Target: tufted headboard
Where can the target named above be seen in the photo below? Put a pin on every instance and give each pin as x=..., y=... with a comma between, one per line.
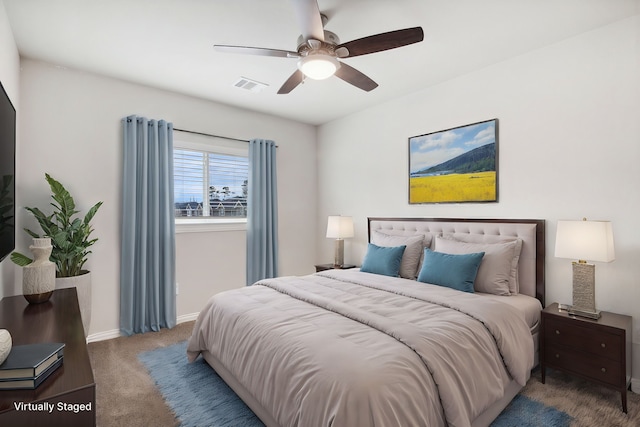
x=530, y=231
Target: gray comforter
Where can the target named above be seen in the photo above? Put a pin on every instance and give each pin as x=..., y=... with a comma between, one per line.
x=346, y=348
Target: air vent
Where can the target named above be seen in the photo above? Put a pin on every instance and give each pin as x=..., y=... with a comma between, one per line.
x=250, y=85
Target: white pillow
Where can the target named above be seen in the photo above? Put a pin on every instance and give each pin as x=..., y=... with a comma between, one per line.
x=514, y=285
x=412, y=253
x=497, y=268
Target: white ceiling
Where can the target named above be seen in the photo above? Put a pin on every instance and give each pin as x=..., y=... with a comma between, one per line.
x=168, y=43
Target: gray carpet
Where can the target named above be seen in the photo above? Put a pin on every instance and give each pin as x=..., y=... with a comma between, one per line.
x=126, y=396
x=590, y=405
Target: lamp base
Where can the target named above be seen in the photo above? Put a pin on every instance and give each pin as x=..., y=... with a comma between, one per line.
x=584, y=287
x=339, y=254
x=595, y=315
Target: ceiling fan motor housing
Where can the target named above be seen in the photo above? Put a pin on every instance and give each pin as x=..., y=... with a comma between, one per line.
x=330, y=38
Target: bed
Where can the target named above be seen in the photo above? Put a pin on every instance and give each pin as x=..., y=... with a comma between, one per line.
x=358, y=347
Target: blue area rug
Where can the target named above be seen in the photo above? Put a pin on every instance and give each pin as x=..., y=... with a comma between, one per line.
x=524, y=412
x=199, y=397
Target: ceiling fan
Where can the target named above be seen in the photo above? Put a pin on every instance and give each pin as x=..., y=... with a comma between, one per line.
x=319, y=50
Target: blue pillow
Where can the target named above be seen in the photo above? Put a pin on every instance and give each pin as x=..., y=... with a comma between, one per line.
x=453, y=271
x=383, y=260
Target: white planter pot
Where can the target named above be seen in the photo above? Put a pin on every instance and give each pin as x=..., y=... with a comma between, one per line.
x=82, y=283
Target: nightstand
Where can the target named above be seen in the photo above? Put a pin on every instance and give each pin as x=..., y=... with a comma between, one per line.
x=323, y=267
x=597, y=350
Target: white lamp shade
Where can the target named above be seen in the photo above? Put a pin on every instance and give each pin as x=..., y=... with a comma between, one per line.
x=318, y=66
x=585, y=240
x=339, y=227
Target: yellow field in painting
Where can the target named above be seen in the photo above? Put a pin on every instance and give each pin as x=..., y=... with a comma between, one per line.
x=468, y=187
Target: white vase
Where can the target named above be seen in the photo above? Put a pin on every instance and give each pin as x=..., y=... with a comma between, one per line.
x=5, y=344
x=82, y=283
x=39, y=277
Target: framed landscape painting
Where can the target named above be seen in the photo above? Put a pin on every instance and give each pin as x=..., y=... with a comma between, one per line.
x=455, y=165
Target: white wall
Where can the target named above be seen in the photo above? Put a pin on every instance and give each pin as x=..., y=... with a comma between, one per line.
x=10, y=78
x=569, y=146
x=71, y=129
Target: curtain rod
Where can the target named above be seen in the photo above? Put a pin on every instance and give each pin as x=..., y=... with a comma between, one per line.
x=215, y=136
x=208, y=134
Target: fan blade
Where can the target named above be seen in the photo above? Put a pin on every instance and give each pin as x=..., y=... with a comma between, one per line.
x=383, y=41
x=256, y=51
x=291, y=83
x=355, y=77
x=309, y=19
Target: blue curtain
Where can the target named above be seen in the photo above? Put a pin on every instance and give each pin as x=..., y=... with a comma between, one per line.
x=147, y=265
x=262, y=212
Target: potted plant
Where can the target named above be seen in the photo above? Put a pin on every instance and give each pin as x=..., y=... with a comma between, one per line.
x=70, y=238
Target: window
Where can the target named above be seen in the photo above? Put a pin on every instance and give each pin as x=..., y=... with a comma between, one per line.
x=210, y=183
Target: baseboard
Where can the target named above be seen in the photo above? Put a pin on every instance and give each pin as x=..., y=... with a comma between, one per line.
x=101, y=336
x=187, y=317
x=635, y=385
x=115, y=333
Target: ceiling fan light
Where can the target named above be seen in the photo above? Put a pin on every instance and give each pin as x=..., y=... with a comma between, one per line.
x=318, y=66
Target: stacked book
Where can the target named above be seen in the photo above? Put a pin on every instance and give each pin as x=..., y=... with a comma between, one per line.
x=27, y=366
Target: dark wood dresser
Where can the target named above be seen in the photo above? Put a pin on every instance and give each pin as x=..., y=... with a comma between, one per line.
x=72, y=384
x=597, y=350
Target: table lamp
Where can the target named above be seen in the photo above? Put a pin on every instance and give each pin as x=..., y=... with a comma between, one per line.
x=584, y=240
x=339, y=228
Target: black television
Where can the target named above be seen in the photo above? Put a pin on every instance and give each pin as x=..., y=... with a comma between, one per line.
x=7, y=174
